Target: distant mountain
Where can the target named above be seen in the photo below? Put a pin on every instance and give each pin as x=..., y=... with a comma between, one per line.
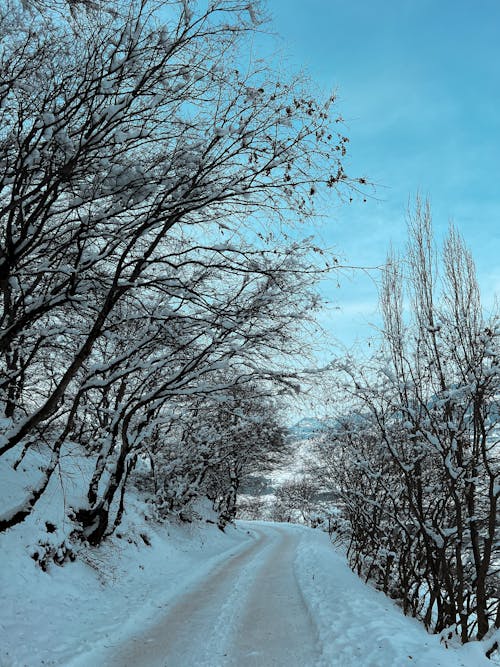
x=307, y=427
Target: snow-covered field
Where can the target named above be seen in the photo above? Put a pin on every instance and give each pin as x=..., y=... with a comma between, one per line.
x=240, y=598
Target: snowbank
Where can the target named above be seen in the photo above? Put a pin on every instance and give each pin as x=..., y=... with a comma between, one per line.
x=360, y=626
x=65, y=616
x=69, y=615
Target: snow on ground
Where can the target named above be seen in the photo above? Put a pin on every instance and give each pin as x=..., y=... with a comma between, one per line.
x=231, y=618
x=252, y=586
x=358, y=625
x=49, y=618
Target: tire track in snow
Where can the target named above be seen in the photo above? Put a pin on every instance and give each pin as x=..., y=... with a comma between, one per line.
x=276, y=628
x=196, y=628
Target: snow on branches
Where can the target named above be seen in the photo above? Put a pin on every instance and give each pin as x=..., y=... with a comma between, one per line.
x=137, y=165
x=417, y=461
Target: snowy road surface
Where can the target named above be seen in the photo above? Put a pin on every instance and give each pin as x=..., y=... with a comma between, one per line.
x=279, y=596
x=259, y=595
x=248, y=612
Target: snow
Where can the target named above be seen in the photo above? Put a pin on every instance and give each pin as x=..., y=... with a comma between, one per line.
x=261, y=593
x=67, y=615
x=358, y=625
x=229, y=597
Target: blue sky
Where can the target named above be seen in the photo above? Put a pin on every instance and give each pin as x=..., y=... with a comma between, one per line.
x=418, y=83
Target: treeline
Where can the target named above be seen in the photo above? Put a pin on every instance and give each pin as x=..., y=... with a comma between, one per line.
x=415, y=462
x=151, y=299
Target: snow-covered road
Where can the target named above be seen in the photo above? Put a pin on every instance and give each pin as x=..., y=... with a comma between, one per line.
x=248, y=612
x=259, y=595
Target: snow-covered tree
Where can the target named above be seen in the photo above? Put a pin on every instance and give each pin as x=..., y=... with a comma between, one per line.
x=417, y=462
x=296, y=500
x=147, y=170
x=172, y=361
x=216, y=443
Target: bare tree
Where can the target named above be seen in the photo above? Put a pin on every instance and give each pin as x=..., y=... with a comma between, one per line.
x=225, y=438
x=133, y=154
x=179, y=368
x=417, y=463
x=295, y=500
